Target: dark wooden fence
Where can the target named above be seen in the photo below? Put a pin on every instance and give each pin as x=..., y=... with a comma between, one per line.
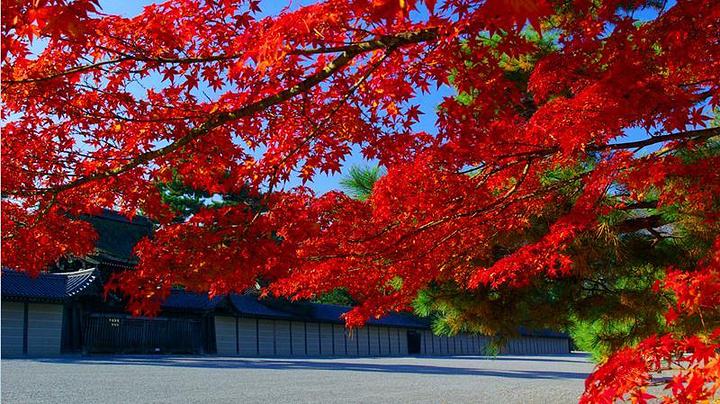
x=119, y=334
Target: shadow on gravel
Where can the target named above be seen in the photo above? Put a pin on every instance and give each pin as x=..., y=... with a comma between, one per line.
x=307, y=364
x=567, y=358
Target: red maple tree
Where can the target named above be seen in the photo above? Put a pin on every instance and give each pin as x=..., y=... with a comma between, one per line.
x=100, y=109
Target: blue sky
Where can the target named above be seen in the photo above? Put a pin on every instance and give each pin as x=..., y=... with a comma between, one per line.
x=428, y=102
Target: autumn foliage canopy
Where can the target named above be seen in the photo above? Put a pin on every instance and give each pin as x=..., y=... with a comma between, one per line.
x=529, y=159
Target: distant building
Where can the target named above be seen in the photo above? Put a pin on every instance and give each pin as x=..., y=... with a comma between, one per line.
x=64, y=312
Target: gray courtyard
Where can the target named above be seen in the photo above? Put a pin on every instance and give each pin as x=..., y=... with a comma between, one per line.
x=130, y=379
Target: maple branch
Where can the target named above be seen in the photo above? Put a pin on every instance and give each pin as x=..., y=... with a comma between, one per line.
x=500, y=202
x=124, y=57
x=218, y=119
x=628, y=226
x=697, y=134
x=317, y=128
x=377, y=43
x=72, y=70
x=690, y=135
x=385, y=41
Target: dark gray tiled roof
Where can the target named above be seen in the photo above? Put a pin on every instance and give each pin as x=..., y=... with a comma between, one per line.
x=182, y=300
x=46, y=286
x=251, y=306
x=333, y=313
x=526, y=332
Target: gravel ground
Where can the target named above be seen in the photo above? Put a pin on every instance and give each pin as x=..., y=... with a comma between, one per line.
x=149, y=379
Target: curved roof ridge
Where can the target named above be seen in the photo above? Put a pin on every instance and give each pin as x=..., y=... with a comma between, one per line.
x=46, y=286
x=75, y=273
x=78, y=281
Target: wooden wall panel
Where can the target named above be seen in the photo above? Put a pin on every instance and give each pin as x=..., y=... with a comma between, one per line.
x=298, y=338
x=363, y=341
x=403, y=342
x=13, y=320
x=352, y=341
x=339, y=340
x=374, y=341
x=44, y=329
x=326, y=339
x=247, y=337
x=224, y=335
x=313, y=339
x=384, y=341
x=282, y=338
x=266, y=337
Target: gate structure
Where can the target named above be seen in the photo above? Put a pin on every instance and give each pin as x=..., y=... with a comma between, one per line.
x=107, y=333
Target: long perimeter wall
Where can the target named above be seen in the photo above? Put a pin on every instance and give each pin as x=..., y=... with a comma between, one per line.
x=284, y=338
